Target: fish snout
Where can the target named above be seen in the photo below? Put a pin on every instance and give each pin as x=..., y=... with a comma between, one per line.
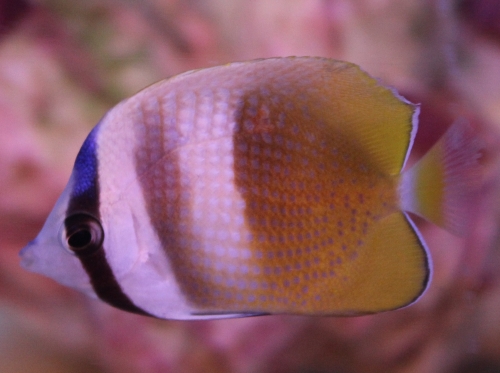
x=27, y=255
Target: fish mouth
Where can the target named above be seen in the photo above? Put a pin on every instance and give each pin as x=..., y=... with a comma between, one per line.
x=27, y=256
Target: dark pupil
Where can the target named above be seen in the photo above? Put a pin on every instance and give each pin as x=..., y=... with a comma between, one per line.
x=80, y=239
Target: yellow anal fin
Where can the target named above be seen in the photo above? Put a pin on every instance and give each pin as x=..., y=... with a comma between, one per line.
x=441, y=185
x=393, y=271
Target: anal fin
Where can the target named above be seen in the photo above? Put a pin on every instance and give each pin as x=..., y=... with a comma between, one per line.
x=392, y=272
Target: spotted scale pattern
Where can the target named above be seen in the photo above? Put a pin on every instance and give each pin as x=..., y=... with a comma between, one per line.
x=310, y=203
x=260, y=203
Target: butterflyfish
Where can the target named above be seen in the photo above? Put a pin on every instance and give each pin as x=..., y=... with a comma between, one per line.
x=274, y=186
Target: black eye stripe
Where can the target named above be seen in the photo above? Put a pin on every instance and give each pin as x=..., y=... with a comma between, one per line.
x=85, y=201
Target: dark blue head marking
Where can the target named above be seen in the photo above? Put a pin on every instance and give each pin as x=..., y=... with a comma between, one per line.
x=85, y=199
x=85, y=187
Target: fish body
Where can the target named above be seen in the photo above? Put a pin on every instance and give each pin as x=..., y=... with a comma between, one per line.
x=263, y=187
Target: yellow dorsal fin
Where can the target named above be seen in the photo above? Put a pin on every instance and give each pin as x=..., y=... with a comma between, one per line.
x=375, y=118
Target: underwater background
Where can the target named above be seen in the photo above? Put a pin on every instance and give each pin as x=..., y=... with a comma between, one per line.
x=63, y=64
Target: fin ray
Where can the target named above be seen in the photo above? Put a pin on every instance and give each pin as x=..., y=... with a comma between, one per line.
x=440, y=186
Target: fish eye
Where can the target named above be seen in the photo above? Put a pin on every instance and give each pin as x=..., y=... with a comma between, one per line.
x=84, y=234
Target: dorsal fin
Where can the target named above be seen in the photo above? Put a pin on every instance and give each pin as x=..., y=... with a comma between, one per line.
x=381, y=121
x=378, y=118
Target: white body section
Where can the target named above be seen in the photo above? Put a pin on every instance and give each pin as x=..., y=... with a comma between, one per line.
x=133, y=249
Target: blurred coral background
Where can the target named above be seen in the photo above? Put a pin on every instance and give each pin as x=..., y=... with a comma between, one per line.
x=64, y=63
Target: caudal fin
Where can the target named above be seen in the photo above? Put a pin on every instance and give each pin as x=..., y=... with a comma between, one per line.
x=440, y=186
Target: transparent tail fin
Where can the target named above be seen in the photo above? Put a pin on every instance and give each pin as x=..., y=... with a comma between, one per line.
x=440, y=186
